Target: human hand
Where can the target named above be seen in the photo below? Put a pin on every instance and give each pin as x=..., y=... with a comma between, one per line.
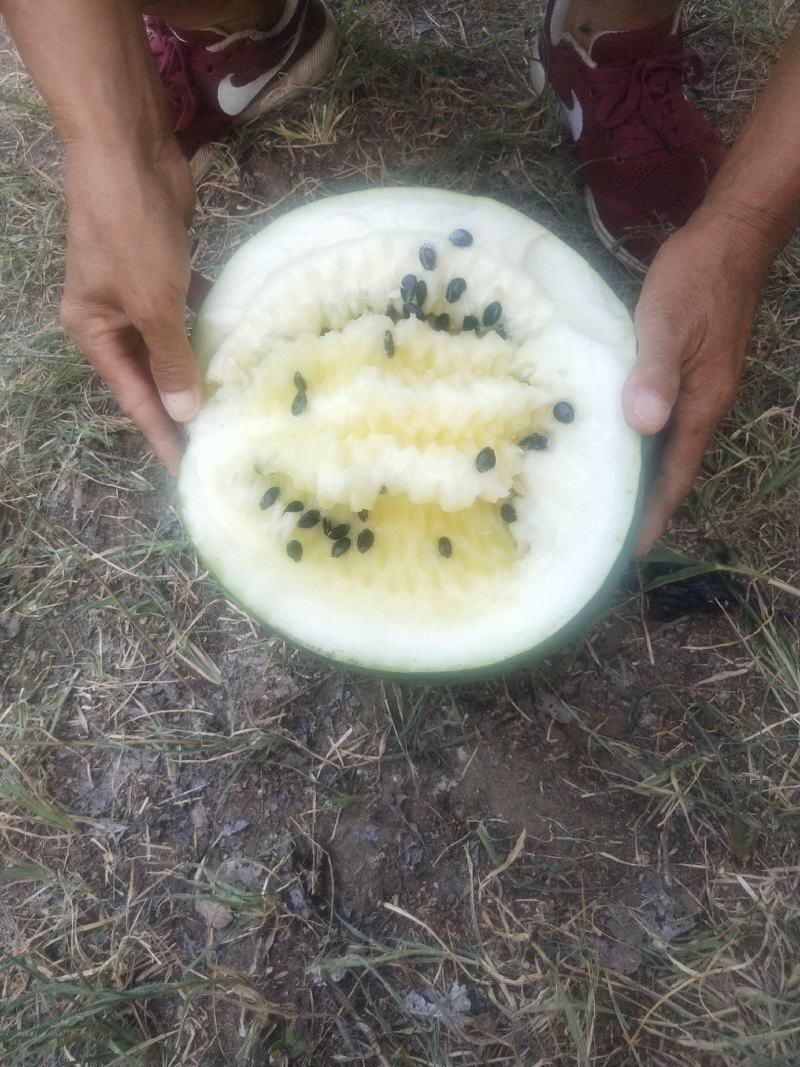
x=128, y=275
x=693, y=323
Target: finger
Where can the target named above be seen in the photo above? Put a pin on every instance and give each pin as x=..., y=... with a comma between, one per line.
x=172, y=362
x=199, y=288
x=689, y=434
x=654, y=382
x=120, y=358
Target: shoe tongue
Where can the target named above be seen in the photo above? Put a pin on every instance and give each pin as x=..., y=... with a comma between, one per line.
x=627, y=45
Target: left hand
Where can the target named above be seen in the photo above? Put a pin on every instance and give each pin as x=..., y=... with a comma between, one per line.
x=693, y=323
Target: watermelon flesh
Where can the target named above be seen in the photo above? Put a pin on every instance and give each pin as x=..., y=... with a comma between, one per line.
x=411, y=497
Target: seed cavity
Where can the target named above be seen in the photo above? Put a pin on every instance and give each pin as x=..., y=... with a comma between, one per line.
x=492, y=313
x=410, y=309
x=470, y=323
x=340, y=547
x=299, y=403
x=508, y=513
x=485, y=459
x=294, y=550
x=461, y=238
x=293, y=505
x=408, y=287
x=365, y=540
x=427, y=256
x=388, y=343
x=536, y=442
x=299, y=382
x=420, y=293
x=445, y=547
x=336, y=533
x=269, y=498
x=455, y=290
x=363, y=514
x=563, y=411
x=309, y=519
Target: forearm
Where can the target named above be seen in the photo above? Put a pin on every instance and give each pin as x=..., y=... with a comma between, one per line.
x=90, y=60
x=757, y=190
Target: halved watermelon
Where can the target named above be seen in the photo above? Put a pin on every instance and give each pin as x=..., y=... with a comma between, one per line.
x=412, y=459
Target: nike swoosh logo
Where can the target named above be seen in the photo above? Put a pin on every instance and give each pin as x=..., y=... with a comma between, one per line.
x=234, y=99
x=573, y=116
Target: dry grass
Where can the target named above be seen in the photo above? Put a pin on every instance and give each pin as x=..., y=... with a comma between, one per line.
x=213, y=851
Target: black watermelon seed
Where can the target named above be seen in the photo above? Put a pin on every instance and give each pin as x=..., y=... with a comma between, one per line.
x=410, y=309
x=485, y=459
x=455, y=290
x=508, y=513
x=408, y=286
x=340, y=547
x=492, y=313
x=420, y=293
x=388, y=343
x=293, y=505
x=442, y=322
x=363, y=514
x=427, y=256
x=365, y=541
x=461, y=238
x=391, y=311
x=563, y=411
x=470, y=323
x=327, y=526
x=336, y=533
x=537, y=442
x=294, y=550
x=299, y=403
x=445, y=547
x=299, y=382
x=311, y=518
x=269, y=498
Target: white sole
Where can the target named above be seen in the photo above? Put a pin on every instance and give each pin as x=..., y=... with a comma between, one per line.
x=607, y=240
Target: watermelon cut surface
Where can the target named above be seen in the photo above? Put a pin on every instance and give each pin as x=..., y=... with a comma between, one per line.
x=390, y=489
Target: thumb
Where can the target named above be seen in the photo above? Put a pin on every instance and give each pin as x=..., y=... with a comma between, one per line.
x=654, y=382
x=173, y=367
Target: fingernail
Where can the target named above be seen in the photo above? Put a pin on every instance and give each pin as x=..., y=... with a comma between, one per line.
x=181, y=405
x=651, y=410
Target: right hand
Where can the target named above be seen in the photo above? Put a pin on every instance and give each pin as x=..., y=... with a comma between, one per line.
x=128, y=276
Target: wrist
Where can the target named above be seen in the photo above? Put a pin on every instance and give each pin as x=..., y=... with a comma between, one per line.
x=743, y=237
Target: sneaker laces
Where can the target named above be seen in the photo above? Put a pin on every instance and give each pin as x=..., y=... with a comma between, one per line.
x=651, y=89
x=173, y=57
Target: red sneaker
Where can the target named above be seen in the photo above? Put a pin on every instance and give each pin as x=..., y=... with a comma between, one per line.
x=215, y=80
x=646, y=153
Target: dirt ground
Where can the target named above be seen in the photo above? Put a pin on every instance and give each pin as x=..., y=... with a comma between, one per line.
x=215, y=851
